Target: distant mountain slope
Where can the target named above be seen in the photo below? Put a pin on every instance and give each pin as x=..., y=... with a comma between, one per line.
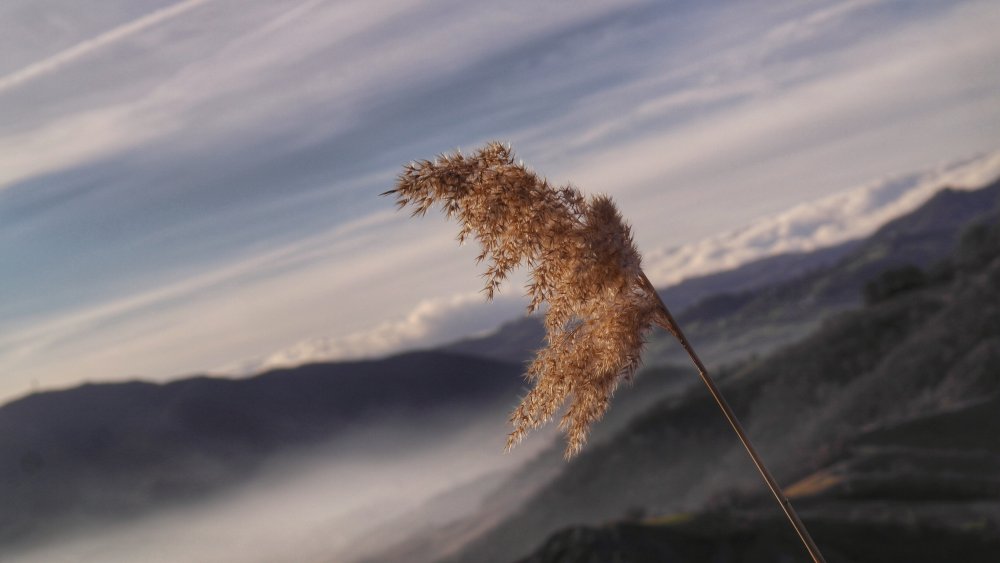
x=516, y=340
x=923, y=491
x=105, y=450
x=729, y=326
x=891, y=400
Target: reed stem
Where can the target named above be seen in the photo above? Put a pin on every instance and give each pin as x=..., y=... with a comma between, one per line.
x=668, y=323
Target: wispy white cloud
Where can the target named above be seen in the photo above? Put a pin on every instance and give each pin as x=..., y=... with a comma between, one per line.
x=54, y=62
x=861, y=88
x=74, y=140
x=683, y=88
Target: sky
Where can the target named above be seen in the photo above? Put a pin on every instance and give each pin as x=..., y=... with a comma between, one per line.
x=191, y=186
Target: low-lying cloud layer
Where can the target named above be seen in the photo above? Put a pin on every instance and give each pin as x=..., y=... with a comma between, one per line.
x=848, y=215
x=431, y=322
x=372, y=488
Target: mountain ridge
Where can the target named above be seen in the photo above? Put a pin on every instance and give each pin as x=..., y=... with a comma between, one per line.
x=868, y=419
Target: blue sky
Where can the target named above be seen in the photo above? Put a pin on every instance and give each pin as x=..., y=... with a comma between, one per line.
x=185, y=186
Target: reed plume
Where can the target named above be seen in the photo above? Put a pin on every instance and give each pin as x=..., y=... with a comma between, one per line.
x=583, y=263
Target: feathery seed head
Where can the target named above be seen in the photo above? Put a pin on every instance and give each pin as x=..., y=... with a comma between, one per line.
x=581, y=260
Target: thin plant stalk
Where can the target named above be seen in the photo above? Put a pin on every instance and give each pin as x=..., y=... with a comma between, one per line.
x=666, y=321
x=584, y=264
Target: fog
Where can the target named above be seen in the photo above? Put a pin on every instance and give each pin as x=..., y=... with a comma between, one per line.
x=334, y=502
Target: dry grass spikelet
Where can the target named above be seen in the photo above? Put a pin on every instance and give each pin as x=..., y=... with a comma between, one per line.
x=581, y=260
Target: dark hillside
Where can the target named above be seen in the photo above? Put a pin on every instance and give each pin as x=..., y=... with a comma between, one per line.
x=884, y=420
x=732, y=325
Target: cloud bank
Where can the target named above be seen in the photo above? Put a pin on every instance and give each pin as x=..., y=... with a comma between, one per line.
x=432, y=322
x=845, y=216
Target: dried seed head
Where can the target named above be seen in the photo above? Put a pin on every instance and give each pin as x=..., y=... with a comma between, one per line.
x=581, y=260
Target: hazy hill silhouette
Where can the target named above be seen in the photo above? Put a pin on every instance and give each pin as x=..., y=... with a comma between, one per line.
x=102, y=450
